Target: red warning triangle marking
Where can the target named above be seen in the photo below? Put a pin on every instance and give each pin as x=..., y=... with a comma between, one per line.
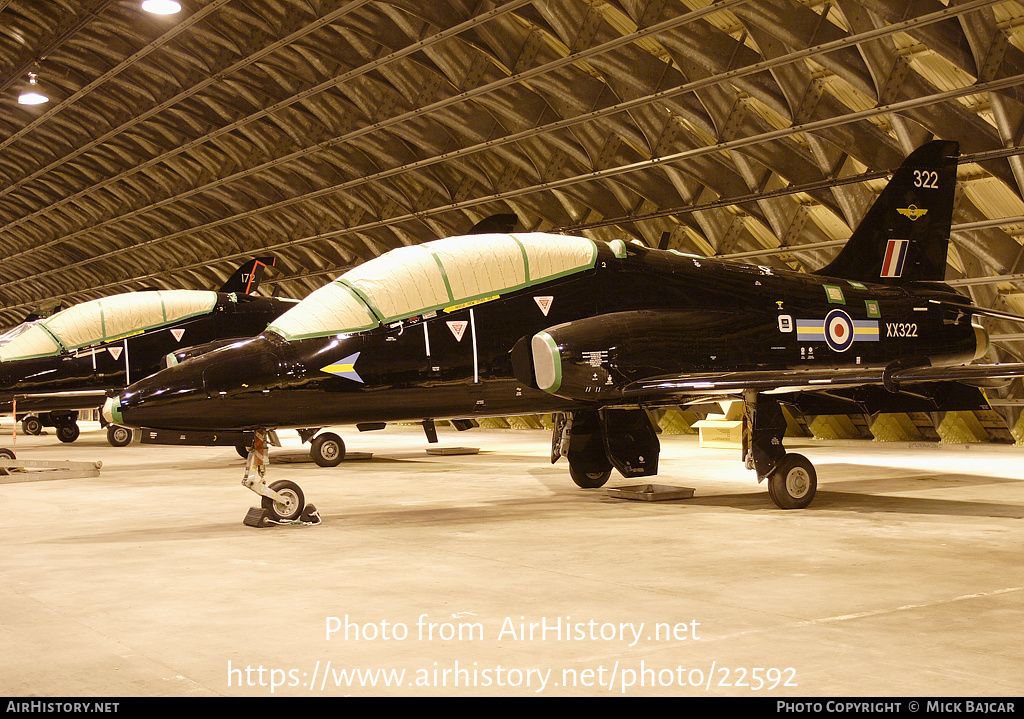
x=115, y=352
x=458, y=328
x=544, y=303
x=177, y=334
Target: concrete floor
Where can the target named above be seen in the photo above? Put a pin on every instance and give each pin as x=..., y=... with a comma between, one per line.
x=904, y=578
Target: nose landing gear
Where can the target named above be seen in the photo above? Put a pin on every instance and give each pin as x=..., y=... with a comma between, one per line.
x=281, y=502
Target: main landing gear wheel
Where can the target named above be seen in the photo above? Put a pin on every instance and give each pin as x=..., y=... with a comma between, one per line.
x=589, y=480
x=291, y=504
x=118, y=436
x=327, y=450
x=31, y=425
x=68, y=432
x=793, y=483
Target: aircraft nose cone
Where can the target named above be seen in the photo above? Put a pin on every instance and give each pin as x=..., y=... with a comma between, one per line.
x=112, y=410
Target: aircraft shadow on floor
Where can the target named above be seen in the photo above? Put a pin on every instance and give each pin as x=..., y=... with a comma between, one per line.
x=887, y=490
x=455, y=517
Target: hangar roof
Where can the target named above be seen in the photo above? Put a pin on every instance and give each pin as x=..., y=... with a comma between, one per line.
x=328, y=132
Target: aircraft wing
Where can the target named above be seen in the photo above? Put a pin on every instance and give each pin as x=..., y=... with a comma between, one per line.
x=47, y=401
x=778, y=382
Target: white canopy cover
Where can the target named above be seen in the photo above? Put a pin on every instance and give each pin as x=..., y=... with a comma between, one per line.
x=107, y=319
x=412, y=280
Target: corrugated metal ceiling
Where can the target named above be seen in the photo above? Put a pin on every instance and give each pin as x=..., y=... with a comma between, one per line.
x=329, y=131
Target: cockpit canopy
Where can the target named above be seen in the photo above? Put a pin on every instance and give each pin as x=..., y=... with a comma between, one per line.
x=107, y=319
x=414, y=280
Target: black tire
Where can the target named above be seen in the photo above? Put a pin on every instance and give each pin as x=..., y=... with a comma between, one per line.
x=589, y=480
x=327, y=449
x=793, y=483
x=290, y=509
x=68, y=432
x=118, y=436
x=6, y=454
x=243, y=450
x=31, y=425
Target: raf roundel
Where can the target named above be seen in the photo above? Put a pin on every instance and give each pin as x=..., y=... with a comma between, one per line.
x=838, y=330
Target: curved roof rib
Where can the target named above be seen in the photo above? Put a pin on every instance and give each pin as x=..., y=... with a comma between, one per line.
x=329, y=133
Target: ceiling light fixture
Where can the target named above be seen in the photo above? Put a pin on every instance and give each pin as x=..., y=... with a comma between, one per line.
x=32, y=95
x=161, y=7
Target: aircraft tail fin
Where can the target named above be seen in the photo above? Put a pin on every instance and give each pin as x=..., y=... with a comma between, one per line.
x=502, y=224
x=904, y=236
x=44, y=310
x=247, y=277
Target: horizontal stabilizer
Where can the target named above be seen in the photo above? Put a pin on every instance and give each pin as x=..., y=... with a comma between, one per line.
x=986, y=312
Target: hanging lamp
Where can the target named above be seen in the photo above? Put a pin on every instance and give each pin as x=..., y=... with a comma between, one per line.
x=33, y=94
x=161, y=7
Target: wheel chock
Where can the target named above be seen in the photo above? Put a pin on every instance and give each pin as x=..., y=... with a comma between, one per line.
x=257, y=517
x=310, y=515
x=260, y=517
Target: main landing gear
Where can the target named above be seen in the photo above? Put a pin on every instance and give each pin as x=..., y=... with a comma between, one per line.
x=327, y=449
x=282, y=502
x=65, y=424
x=792, y=481
x=118, y=436
x=596, y=441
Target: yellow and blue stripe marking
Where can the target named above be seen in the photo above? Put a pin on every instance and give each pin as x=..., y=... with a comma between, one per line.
x=345, y=368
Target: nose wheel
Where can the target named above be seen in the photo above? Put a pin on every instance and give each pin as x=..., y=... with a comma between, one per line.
x=287, y=506
x=281, y=502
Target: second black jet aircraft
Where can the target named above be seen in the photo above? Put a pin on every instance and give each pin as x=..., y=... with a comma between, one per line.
x=75, y=358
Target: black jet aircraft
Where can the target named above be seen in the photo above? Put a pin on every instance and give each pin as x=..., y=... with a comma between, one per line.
x=598, y=333
x=75, y=358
